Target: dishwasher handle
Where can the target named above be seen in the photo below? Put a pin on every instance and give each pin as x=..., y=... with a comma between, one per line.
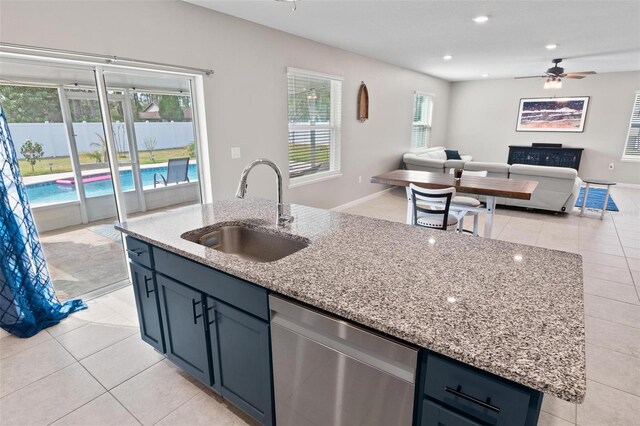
x=374, y=350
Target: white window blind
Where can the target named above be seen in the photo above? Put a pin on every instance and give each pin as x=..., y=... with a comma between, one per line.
x=632, y=147
x=422, y=113
x=314, y=109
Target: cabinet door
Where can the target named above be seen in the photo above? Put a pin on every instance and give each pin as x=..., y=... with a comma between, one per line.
x=245, y=361
x=185, y=331
x=146, y=294
x=436, y=415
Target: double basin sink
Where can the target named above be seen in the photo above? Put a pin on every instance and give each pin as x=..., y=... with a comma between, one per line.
x=246, y=242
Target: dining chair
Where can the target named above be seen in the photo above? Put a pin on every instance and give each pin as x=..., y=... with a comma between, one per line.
x=434, y=211
x=463, y=205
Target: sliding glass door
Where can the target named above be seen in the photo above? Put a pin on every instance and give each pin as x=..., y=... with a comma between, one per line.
x=97, y=145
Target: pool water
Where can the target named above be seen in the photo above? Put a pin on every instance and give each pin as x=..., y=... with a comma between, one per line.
x=51, y=192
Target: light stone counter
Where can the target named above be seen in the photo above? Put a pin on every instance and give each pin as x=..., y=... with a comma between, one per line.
x=509, y=309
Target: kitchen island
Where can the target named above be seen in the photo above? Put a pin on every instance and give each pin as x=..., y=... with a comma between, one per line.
x=511, y=310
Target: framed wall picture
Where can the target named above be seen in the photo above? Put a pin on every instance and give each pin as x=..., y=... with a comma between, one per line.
x=552, y=114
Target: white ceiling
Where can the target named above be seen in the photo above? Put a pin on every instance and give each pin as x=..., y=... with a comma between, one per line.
x=601, y=36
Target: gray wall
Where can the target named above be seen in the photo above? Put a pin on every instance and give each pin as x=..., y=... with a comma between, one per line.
x=246, y=98
x=482, y=120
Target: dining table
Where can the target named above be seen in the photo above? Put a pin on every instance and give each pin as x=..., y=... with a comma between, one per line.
x=490, y=187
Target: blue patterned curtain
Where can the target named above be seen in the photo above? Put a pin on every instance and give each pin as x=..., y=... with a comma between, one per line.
x=28, y=302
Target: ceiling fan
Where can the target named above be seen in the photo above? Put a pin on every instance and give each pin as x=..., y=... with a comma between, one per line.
x=555, y=74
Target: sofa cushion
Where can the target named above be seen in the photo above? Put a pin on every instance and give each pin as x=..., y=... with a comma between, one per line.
x=543, y=171
x=453, y=164
x=493, y=169
x=452, y=154
x=436, y=155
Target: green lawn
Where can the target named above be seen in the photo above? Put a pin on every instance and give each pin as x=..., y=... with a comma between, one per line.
x=63, y=164
x=302, y=153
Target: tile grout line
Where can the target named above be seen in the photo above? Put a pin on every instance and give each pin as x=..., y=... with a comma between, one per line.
x=619, y=301
x=43, y=377
x=92, y=376
x=186, y=402
x=614, y=322
x=613, y=387
x=100, y=383
x=612, y=350
x=609, y=298
x=627, y=260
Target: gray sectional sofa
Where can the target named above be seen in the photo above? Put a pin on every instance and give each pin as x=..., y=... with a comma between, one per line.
x=557, y=190
x=433, y=160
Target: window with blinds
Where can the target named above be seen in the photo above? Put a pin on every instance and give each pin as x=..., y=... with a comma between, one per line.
x=422, y=112
x=314, y=111
x=632, y=147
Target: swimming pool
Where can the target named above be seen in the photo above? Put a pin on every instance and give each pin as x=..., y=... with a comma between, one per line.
x=52, y=192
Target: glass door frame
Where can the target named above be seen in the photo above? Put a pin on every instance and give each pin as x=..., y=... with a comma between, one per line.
x=196, y=82
x=130, y=134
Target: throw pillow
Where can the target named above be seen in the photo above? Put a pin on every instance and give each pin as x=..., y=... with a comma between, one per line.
x=452, y=154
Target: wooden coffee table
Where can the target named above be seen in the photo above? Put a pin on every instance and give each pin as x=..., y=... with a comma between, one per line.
x=590, y=182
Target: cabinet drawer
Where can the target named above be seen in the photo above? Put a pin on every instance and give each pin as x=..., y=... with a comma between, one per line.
x=481, y=395
x=436, y=415
x=139, y=252
x=234, y=291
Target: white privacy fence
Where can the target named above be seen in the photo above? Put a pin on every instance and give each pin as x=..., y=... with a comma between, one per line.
x=52, y=136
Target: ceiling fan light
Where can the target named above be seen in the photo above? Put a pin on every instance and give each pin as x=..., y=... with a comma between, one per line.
x=553, y=83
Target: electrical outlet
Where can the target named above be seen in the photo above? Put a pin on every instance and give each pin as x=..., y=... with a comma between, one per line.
x=359, y=179
x=610, y=166
x=235, y=152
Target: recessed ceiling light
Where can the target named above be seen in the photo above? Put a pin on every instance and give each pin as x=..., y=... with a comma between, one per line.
x=447, y=57
x=551, y=46
x=485, y=75
x=481, y=19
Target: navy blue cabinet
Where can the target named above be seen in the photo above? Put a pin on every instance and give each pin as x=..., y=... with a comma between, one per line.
x=210, y=324
x=458, y=394
x=245, y=360
x=146, y=294
x=436, y=415
x=183, y=319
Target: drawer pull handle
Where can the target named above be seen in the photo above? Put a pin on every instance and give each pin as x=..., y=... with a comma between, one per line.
x=136, y=252
x=146, y=286
x=211, y=316
x=458, y=392
x=194, y=303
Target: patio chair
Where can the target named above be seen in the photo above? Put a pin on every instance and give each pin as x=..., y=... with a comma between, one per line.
x=177, y=171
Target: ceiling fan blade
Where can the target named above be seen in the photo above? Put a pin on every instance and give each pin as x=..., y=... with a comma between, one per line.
x=572, y=75
x=533, y=76
x=582, y=73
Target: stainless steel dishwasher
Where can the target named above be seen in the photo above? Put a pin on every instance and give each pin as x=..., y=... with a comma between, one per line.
x=330, y=372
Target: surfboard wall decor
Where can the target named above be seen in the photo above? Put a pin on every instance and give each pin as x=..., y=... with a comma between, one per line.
x=363, y=103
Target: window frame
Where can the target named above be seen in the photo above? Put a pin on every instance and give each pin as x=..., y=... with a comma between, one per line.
x=334, y=126
x=636, y=105
x=426, y=123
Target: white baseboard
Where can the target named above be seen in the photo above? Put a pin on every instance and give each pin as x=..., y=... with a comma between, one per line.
x=361, y=200
x=629, y=185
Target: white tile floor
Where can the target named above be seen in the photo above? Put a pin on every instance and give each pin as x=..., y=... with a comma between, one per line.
x=93, y=369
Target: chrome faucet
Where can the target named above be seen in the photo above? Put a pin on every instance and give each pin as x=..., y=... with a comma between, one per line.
x=281, y=218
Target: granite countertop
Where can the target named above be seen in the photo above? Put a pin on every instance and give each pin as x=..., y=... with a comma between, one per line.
x=510, y=309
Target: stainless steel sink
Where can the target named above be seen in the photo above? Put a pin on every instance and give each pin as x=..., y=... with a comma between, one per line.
x=247, y=243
